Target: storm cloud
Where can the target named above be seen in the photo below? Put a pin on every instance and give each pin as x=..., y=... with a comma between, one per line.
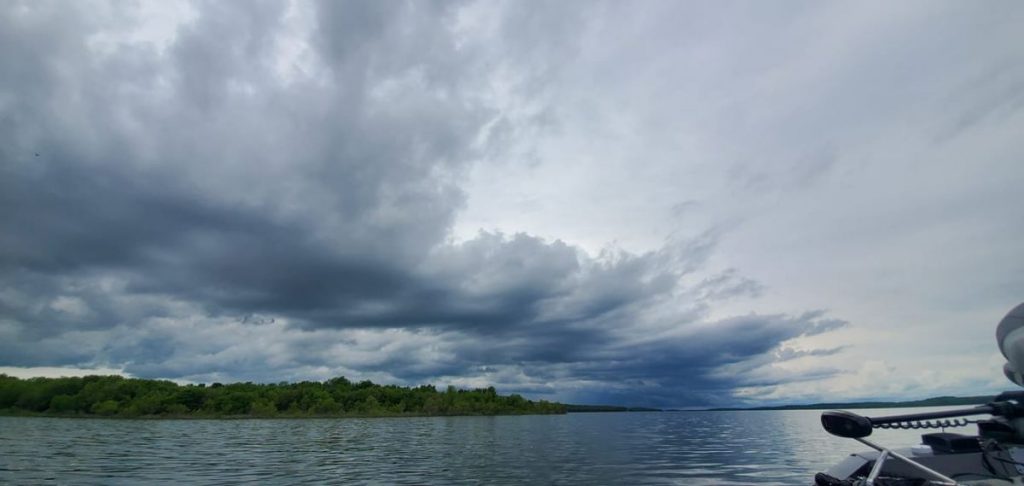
x=272, y=190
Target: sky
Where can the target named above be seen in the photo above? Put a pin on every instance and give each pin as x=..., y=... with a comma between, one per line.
x=671, y=204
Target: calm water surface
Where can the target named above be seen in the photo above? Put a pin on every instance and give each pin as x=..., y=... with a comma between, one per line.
x=687, y=448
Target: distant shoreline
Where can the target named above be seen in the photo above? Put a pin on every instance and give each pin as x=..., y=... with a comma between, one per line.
x=569, y=408
x=927, y=402
x=943, y=401
x=120, y=397
x=77, y=416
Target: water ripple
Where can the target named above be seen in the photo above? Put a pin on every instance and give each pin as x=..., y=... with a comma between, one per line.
x=691, y=448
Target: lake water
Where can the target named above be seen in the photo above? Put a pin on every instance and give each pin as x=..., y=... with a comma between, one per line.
x=688, y=448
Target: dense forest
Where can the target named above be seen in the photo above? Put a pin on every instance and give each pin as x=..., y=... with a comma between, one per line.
x=116, y=396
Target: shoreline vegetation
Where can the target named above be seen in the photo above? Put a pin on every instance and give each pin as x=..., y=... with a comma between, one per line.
x=120, y=397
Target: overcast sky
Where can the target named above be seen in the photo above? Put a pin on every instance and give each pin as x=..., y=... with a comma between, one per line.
x=641, y=203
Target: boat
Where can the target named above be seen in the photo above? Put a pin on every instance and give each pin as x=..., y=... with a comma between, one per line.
x=993, y=456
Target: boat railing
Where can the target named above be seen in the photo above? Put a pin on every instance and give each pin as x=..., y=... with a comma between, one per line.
x=938, y=478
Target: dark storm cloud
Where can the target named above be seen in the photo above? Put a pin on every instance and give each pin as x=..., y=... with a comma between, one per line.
x=179, y=190
x=236, y=197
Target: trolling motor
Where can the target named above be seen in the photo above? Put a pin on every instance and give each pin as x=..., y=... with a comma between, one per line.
x=1001, y=429
x=994, y=456
x=1007, y=405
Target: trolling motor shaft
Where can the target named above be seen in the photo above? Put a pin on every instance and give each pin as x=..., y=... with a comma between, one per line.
x=853, y=426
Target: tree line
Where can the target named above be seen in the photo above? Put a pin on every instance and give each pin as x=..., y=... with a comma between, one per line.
x=117, y=396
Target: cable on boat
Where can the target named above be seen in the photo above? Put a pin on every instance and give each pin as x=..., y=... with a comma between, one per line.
x=926, y=424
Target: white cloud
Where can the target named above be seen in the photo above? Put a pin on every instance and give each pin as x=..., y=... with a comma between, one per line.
x=56, y=372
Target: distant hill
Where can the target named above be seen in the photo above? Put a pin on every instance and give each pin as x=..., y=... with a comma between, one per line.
x=607, y=408
x=927, y=402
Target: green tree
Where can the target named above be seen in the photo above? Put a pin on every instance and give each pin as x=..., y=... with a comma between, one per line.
x=106, y=407
x=371, y=406
x=63, y=404
x=326, y=405
x=263, y=408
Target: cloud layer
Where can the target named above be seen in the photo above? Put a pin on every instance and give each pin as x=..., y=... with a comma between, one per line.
x=270, y=190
